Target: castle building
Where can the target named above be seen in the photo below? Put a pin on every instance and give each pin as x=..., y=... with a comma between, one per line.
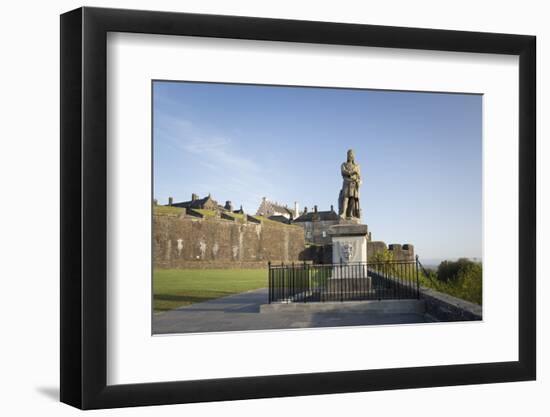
x=205, y=203
x=316, y=224
x=276, y=211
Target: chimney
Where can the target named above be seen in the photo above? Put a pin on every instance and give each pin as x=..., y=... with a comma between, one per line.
x=170, y=201
x=315, y=208
x=296, y=209
x=194, y=197
x=331, y=207
x=305, y=209
x=228, y=205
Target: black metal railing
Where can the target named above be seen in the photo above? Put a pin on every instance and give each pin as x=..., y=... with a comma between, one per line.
x=305, y=282
x=424, y=272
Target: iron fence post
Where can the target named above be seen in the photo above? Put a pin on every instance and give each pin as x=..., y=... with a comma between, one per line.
x=293, y=272
x=283, y=280
x=269, y=282
x=305, y=283
x=341, y=283
x=417, y=282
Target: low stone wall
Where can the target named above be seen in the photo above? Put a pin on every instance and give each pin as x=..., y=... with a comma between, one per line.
x=444, y=307
x=190, y=242
x=347, y=307
x=439, y=306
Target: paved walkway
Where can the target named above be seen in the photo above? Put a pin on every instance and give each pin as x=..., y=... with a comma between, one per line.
x=242, y=312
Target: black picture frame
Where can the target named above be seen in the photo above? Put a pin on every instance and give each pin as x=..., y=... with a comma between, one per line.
x=84, y=207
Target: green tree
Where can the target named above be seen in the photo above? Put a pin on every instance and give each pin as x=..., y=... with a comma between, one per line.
x=462, y=279
x=382, y=256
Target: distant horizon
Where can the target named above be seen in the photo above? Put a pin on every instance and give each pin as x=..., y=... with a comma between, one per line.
x=436, y=261
x=420, y=155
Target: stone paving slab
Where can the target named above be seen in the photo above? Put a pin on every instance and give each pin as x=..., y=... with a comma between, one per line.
x=241, y=312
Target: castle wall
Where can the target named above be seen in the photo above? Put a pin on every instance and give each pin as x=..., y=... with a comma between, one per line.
x=399, y=252
x=402, y=252
x=184, y=242
x=322, y=254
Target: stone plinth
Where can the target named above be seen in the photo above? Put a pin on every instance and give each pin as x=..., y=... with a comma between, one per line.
x=349, y=243
x=349, y=251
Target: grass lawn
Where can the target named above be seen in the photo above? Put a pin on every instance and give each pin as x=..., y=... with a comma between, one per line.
x=174, y=288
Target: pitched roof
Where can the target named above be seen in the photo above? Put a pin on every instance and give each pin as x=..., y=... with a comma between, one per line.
x=279, y=218
x=279, y=208
x=319, y=215
x=194, y=204
x=267, y=205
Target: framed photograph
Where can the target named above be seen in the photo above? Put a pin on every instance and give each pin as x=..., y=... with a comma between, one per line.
x=260, y=208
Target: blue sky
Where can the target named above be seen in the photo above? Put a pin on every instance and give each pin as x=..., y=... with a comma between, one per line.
x=420, y=155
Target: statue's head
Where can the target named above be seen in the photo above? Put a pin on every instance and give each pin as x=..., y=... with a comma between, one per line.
x=351, y=156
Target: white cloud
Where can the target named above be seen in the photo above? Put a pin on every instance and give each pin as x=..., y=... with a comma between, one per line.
x=227, y=171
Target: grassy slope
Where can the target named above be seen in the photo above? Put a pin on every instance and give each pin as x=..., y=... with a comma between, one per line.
x=467, y=287
x=206, y=213
x=174, y=288
x=167, y=211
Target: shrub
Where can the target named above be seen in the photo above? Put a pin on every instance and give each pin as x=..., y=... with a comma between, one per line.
x=462, y=279
x=385, y=255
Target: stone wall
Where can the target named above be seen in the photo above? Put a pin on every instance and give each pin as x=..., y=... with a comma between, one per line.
x=317, y=254
x=445, y=307
x=322, y=254
x=400, y=252
x=186, y=242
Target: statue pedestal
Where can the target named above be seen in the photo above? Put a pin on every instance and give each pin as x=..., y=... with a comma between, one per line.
x=349, y=250
x=349, y=243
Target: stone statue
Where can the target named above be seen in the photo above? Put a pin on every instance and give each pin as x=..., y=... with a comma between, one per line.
x=348, y=201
